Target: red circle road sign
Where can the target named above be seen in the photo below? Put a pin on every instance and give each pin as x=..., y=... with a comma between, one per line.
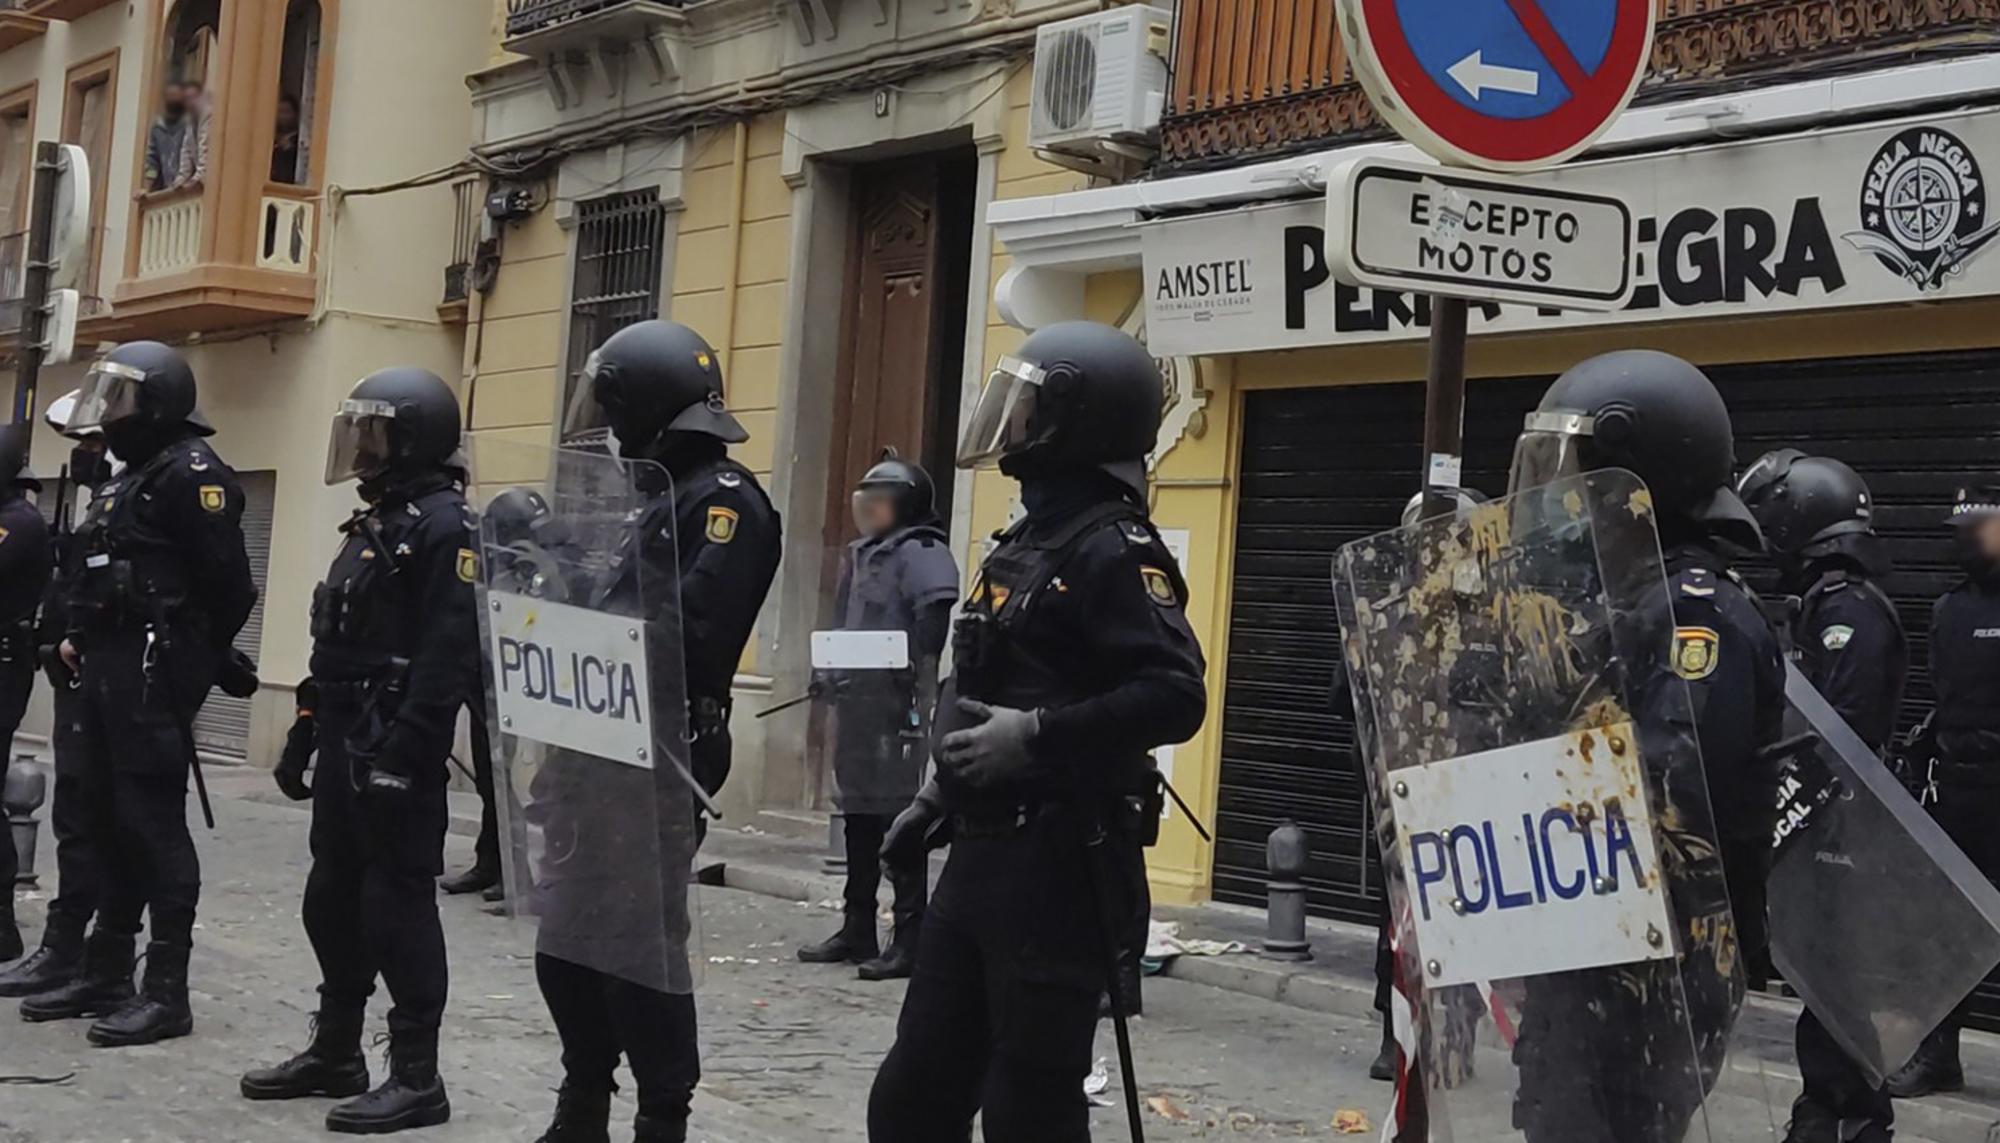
x=1508, y=85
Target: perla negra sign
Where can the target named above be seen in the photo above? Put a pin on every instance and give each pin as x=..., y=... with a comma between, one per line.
x=570, y=677
x=1533, y=858
x=1873, y=215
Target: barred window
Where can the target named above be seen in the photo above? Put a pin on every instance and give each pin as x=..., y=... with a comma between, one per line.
x=618, y=266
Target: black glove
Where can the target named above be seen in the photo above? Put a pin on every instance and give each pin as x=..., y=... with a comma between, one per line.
x=237, y=675
x=58, y=672
x=290, y=773
x=994, y=750
x=917, y=830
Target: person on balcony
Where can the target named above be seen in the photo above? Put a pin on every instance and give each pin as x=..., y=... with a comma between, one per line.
x=167, y=137
x=285, y=145
x=193, y=167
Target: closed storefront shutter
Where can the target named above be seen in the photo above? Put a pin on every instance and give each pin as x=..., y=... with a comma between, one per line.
x=1322, y=467
x=223, y=726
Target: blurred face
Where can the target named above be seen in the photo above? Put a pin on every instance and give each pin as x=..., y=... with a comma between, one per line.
x=874, y=512
x=1986, y=537
x=288, y=116
x=174, y=98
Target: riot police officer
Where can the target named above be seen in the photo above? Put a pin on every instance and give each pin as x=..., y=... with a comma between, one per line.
x=657, y=388
x=165, y=586
x=899, y=576
x=1959, y=763
x=24, y=575
x=394, y=628
x=1818, y=522
x=1073, y=660
x=56, y=962
x=1661, y=418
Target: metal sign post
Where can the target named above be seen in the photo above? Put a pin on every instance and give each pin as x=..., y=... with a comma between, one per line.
x=1505, y=85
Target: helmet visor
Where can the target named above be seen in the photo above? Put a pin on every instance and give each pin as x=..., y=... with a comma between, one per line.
x=110, y=394
x=585, y=418
x=1005, y=411
x=359, y=444
x=1549, y=448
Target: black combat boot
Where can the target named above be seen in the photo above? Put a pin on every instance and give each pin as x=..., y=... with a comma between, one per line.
x=854, y=943
x=1935, y=1067
x=477, y=879
x=583, y=1115
x=901, y=958
x=49, y=967
x=332, y=1064
x=103, y=986
x=1384, y=1067
x=659, y=1129
x=412, y=1096
x=159, y=1012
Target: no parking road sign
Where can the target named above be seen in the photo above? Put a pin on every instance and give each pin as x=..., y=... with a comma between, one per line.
x=1508, y=85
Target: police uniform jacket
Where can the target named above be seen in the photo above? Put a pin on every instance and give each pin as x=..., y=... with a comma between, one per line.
x=25, y=561
x=1965, y=672
x=1851, y=647
x=398, y=607
x=162, y=548
x=1079, y=613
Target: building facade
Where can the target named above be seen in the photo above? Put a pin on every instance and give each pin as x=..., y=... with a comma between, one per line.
x=807, y=185
x=1809, y=179
x=301, y=240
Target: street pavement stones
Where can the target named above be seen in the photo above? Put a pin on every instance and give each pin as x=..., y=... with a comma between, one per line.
x=789, y=1050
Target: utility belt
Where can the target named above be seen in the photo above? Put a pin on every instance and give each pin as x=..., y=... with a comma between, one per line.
x=1947, y=773
x=363, y=683
x=121, y=594
x=1133, y=818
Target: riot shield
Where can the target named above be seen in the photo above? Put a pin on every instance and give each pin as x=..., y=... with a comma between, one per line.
x=1878, y=920
x=580, y=612
x=1567, y=962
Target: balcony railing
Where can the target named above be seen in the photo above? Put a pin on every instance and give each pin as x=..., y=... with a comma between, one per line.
x=1254, y=78
x=169, y=232
x=525, y=16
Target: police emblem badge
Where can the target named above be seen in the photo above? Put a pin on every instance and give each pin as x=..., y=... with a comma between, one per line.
x=1695, y=652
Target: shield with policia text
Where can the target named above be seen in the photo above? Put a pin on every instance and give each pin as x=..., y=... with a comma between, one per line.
x=1878, y=920
x=580, y=609
x=1567, y=966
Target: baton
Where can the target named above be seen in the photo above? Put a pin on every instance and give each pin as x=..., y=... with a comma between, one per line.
x=1192, y=819
x=786, y=705
x=1107, y=936
x=700, y=795
x=201, y=791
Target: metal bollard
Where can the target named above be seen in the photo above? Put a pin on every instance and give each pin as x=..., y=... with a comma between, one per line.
x=23, y=792
x=1285, y=855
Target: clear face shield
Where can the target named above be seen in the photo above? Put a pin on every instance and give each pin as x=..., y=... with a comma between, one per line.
x=110, y=394
x=1006, y=410
x=1549, y=448
x=359, y=445
x=585, y=420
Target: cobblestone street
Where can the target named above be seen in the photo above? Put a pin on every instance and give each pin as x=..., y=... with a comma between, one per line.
x=789, y=1050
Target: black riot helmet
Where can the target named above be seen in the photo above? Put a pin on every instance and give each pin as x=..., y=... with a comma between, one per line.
x=515, y=516
x=1076, y=395
x=1652, y=414
x=1806, y=504
x=401, y=419
x=904, y=485
x=138, y=395
x=649, y=380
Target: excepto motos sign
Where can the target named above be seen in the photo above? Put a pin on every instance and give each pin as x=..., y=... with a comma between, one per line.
x=1883, y=214
x=1533, y=858
x=570, y=677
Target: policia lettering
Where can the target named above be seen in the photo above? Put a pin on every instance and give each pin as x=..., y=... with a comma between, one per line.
x=575, y=681
x=393, y=627
x=164, y=587
x=1569, y=854
x=1071, y=664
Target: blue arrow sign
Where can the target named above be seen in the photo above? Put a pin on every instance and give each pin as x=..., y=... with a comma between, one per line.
x=1510, y=59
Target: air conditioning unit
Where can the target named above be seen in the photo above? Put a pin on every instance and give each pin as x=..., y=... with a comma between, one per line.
x=1100, y=82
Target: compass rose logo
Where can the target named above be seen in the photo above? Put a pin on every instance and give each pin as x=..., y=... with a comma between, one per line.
x=1923, y=207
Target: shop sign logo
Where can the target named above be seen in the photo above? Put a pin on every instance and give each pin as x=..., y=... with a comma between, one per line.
x=1923, y=207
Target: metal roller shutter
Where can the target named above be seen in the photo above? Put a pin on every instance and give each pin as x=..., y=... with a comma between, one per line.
x=223, y=726
x=1325, y=466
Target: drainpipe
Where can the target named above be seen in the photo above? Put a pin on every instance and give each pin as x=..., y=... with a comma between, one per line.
x=739, y=169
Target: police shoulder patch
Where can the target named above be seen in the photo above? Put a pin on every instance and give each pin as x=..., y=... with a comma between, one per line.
x=721, y=525
x=1159, y=586
x=468, y=565
x=1836, y=636
x=213, y=498
x=1135, y=532
x=1696, y=651
x=729, y=479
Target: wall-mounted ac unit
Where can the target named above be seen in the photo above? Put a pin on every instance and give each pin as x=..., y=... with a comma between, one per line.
x=1100, y=83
